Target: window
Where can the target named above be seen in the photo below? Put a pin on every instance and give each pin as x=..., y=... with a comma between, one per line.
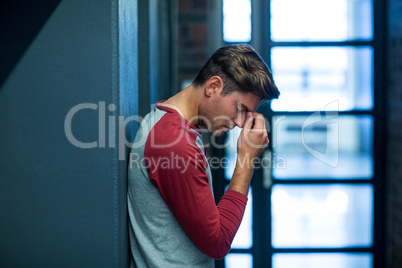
x=237, y=20
x=317, y=201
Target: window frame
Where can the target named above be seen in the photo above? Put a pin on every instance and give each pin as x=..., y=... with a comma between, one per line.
x=262, y=250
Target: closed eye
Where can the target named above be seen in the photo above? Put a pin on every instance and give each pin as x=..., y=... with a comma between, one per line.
x=241, y=108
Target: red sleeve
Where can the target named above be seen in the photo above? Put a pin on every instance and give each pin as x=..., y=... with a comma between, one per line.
x=179, y=173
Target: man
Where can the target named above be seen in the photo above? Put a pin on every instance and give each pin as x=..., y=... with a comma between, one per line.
x=174, y=221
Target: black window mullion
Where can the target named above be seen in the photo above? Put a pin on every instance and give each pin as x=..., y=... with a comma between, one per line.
x=242, y=251
x=322, y=181
x=262, y=253
x=324, y=250
x=380, y=85
x=356, y=43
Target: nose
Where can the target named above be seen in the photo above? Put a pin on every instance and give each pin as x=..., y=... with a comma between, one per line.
x=240, y=119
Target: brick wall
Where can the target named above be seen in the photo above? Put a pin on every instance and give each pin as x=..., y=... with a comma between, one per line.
x=395, y=134
x=192, y=37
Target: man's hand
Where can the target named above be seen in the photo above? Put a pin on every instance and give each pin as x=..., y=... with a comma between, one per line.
x=253, y=138
x=252, y=141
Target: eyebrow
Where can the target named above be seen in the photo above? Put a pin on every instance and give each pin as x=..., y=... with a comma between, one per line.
x=245, y=107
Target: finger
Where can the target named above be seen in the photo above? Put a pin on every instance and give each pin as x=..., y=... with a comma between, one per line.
x=259, y=122
x=248, y=124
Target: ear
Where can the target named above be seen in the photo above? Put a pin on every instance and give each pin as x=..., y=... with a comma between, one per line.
x=213, y=86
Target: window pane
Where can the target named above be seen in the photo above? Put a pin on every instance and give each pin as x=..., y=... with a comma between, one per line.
x=237, y=20
x=321, y=20
x=311, y=77
x=319, y=260
x=239, y=261
x=244, y=236
x=333, y=215
x=328, y=146
x=231, y=151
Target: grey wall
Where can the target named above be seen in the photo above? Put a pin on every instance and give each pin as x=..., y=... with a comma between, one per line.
x=61, y=205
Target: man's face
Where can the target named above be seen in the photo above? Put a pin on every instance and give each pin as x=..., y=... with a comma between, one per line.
x=223, y=113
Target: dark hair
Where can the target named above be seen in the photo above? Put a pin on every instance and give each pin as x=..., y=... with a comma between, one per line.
x=241, y=69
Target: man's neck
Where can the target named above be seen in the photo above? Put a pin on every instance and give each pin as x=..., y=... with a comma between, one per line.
x=186, y=103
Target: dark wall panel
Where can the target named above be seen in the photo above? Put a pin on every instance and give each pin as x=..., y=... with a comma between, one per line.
x=62, y=205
